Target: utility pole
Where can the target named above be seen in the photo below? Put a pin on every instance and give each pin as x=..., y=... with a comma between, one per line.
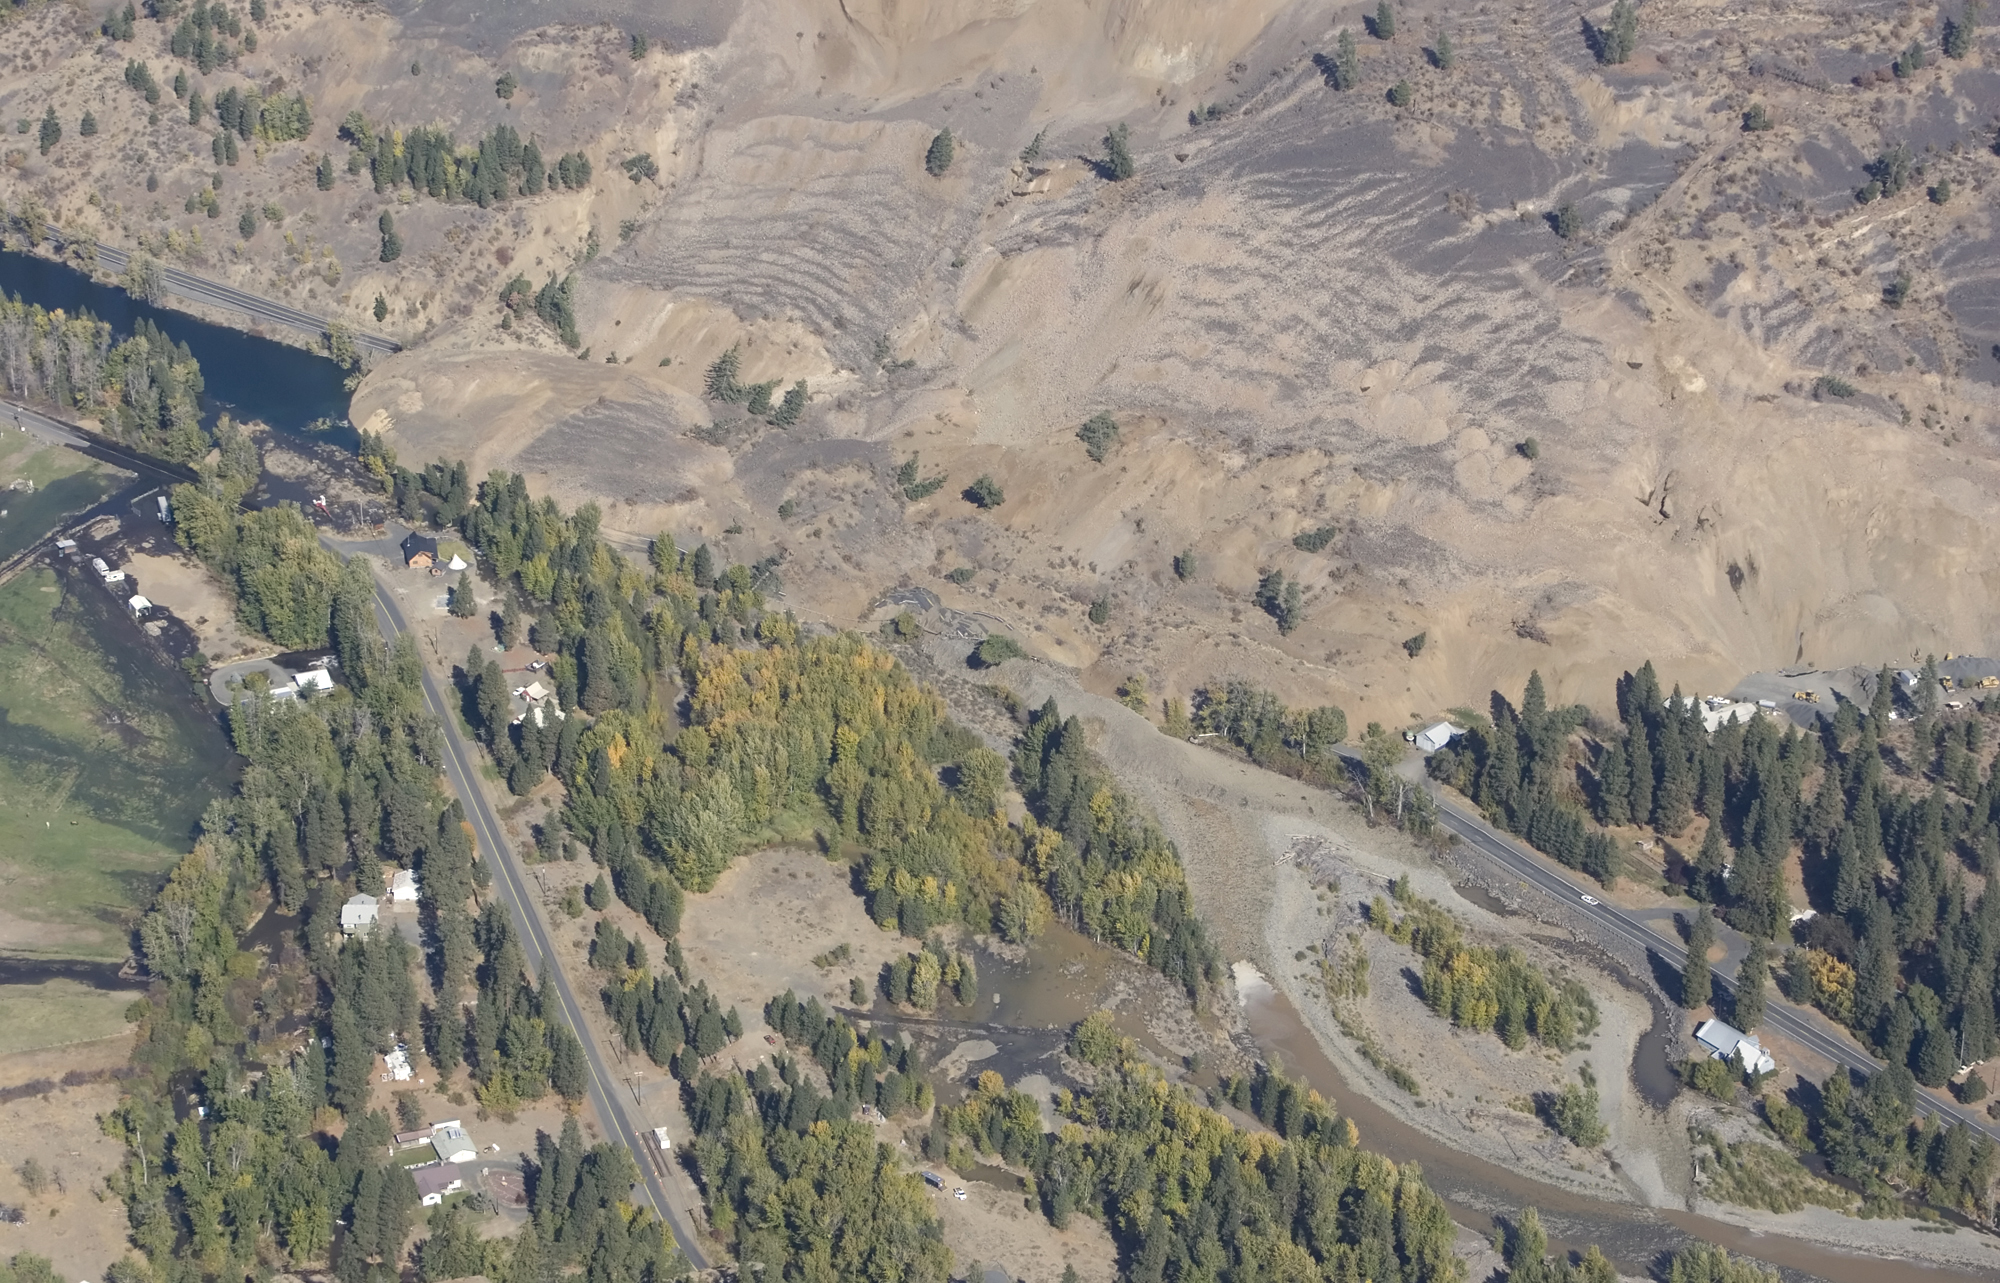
x=638, y=1087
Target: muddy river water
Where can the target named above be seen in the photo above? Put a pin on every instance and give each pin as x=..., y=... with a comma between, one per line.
x=1025, y=1009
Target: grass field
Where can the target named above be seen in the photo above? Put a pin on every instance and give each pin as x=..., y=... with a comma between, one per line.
x=106, y=764
x=57, y=1013
x=64, y=480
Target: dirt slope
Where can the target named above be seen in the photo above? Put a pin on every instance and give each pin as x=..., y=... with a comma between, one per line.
x=1316, y=310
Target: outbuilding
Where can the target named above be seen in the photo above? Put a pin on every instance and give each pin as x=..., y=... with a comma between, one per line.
x=452, y=1144
x=403, y=887
x=1432, y=738
x=1725, y=1043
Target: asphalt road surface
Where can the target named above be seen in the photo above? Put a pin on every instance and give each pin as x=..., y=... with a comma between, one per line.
x=201, y=290
x=1614, y=926
x=462, y=771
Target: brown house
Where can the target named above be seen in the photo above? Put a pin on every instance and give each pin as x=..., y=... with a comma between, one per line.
x=420, y=552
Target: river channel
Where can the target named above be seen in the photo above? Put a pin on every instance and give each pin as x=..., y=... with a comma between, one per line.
x=252, y=379
x=1026, y=1008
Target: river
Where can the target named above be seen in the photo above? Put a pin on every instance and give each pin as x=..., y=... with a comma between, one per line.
x=247, y=376
x=1026, y=1008
x=151, y=795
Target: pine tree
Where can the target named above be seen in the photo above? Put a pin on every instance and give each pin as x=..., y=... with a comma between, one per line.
x=1346, y=62
x=1748, y=1011
x=392, y=243
x=1707, y=883
x=942, y=151
x=51, y=133
x=323, y=175
x=1640, y=765
x=381, y=309
x=88, y=126
x=1118, y=163
x=1614, y=786
x=1442, y=53
x=1527, y=1249
x=1695, y=983
x=1385, y=21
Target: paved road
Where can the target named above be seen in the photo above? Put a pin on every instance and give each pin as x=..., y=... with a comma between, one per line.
x=201, y=290
x=461, y=768
x=1620, y=926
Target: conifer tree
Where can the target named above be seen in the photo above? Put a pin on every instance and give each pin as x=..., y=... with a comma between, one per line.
x=1748, y=1011
x=1695, y=983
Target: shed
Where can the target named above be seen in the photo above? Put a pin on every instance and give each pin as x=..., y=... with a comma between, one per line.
x=138, y=604
x=403, y=887
x=437, y=1180
x=1433, y=738
x=452, y=1144
x=315, y=678
x=420, y=551
x=360, y=911
x=1725, y=1043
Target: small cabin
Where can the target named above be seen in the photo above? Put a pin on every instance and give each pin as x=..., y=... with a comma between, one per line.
x=420, y=552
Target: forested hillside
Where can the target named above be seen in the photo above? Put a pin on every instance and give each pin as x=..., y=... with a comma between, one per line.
x=1894, y=824
x=788, y=737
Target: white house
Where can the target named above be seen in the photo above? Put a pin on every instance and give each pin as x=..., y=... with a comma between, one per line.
x=360, y=911
x=452, y=1144
x=1725, y=1043
x=437, y=1180
x=314, y=678
x=1433, y=738
x=403, y=887
x=396, y=1062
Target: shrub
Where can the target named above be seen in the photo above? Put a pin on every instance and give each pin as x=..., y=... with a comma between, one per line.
x=1184, y=565
x=1282, y=599
x=1832, y=385
x=1756, y=120
x=1940, y=194
x=1415, y=645
x=1910, y=61
x=1972, y=1090
x=1567, y=222
x=1315, y=540
x=914, y=489
x=1530, y=449
x=985, y=493
x=1098, y=434
x=1572, y=1114
x=1400, y=94
x=1100, y=611
x=995, y=650
x=506, y=85
x=641, y=167
x=961, y=576
x=1897, y=292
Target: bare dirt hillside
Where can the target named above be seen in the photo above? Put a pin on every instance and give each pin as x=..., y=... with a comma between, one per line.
x=1735, y=418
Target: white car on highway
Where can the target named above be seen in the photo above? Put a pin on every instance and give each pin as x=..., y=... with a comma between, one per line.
x=1590, y=900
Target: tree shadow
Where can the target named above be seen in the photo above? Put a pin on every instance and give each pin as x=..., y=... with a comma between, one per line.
x=1414, y=980
x=1329, y=71
x=1665, y=974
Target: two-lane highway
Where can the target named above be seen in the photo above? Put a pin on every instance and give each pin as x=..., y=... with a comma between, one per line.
x=461, y=770
x=1808, y=1030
